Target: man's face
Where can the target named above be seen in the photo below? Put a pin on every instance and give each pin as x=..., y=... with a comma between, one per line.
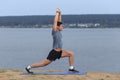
x=60, y=28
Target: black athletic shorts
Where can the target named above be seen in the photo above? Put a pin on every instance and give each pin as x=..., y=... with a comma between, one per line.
x=53, y=55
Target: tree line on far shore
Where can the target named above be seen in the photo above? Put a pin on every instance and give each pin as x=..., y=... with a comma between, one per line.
x=70, y=21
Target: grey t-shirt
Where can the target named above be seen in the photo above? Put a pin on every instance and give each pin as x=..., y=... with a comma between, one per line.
x=57, y=39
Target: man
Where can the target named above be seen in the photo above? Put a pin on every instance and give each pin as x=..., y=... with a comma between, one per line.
x=56, y=52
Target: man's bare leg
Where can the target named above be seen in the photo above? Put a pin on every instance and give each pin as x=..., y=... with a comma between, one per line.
x=70, y=55
x=39, y=64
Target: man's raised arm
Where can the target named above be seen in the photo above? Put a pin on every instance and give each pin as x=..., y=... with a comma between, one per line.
x=59, y=17
x=56, y=19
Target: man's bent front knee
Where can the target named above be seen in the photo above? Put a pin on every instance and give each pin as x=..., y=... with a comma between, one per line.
x=71, y=53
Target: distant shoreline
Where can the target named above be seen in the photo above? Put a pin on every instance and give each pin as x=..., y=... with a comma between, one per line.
x=69, y=21
x=64, y=28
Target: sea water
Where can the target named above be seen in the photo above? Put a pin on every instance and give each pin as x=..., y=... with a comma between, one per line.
x=94, y=49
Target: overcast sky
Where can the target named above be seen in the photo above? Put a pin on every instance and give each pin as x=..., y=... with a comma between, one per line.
x=48, y=7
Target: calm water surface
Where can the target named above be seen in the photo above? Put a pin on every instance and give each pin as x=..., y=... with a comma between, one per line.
x=94, y=49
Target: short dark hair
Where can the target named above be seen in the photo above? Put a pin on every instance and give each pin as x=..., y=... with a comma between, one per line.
x=59, y=23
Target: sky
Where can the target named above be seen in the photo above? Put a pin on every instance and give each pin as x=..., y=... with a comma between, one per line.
x=48, y=7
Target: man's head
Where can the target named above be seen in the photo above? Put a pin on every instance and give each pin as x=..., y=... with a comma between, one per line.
x=59, y=26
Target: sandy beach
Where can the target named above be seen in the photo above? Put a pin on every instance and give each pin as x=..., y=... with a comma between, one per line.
x=16, y=75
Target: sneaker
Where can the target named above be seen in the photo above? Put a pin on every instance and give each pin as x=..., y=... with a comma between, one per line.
x=73, y=70
x=28, y=70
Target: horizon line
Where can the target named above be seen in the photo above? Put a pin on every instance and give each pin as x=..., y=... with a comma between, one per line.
x=53, y=15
